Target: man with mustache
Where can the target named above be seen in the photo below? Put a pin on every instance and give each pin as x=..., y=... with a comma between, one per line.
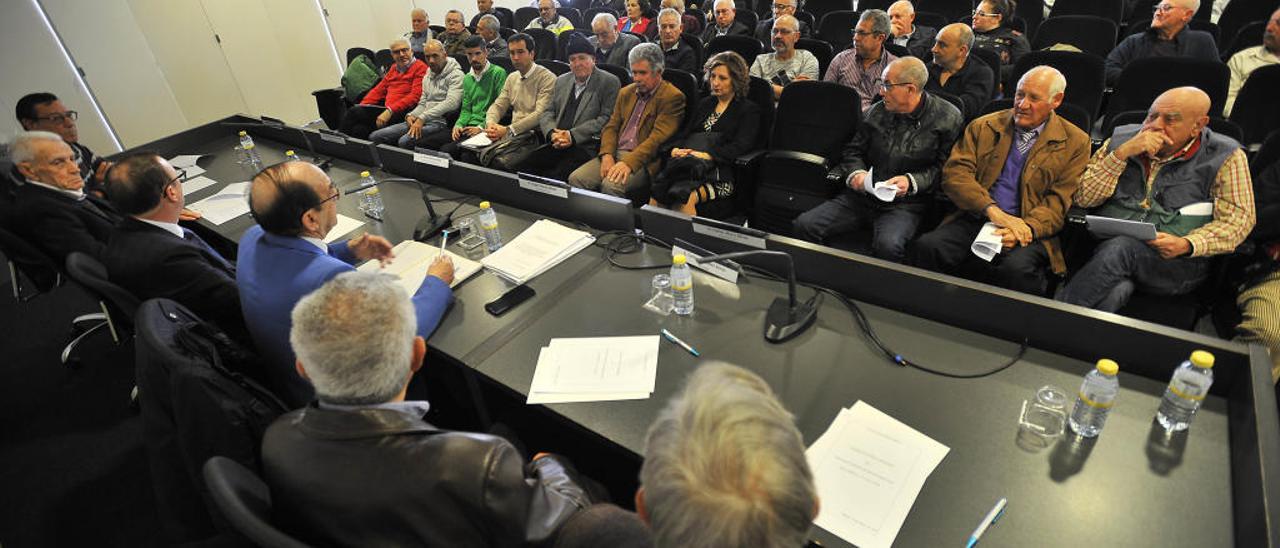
x=786, y=64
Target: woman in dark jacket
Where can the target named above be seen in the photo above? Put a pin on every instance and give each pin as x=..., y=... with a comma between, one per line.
x=722, y=127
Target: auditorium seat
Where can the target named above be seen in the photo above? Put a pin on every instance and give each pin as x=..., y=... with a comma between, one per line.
x=1107, y=9
x=556, y=66
x=590, y=15
x=1086, y=76
x=819, y=49
x=1248, y=36
x=746, y=46
x=1256, y=109
x=1145, y=79
x=836, y=28
x=523, y=15
x=544, y=42
x=574, y=16
x=1090, y=33
x=624, y=76
x=118, y=305
x=1239, y=13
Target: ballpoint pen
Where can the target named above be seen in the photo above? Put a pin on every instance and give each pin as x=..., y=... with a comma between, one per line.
x=668, y=336
x=444, y=240
x=991, y=518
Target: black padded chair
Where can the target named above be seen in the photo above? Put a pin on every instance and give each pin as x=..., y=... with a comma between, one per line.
x=118, y=305
x=896, y=50
x=1069, y=112
x=746, y=46
x=505, y=19
x=504, y=62
x=25, y=261
x=352, y=53
x=760, y=92
x=931, y=19
x=695, y=43
x=463, y=62
x=820, y=8
x=1145, y=79
x=953, y=10
x=687, y=83
x=245, y=501
x=523, y=16
x=624, y=75
x=1086, y=76
x=506, y=33
x=556, y=66
x=804, y=144
x=562, y=42
x=1239, y=13
x=1248, y=36
x=574, y=16
x=1216, y=123
x=544, y=43
x=807, y=18
x=1090, y=33
x=1031, y=13
x=992, y=59
x=1107, y=9
x=384, y=60
x=590, y=14
x=1268, y=154
x=1256, y=109
x=750, y=19
x=836, y=28
x=819, y=49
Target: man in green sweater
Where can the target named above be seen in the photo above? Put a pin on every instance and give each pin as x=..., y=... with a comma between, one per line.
x=480, y=88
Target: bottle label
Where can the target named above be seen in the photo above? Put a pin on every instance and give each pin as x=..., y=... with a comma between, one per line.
x=1187, y=390
x=682, y=287
x=487, y=226
x=1091, y=401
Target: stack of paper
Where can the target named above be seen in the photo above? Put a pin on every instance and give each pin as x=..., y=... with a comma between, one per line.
x=537, y=249
x=412, y=259
x=345, y=226
x=196, y=183
x=187, y=163
x=477, y=141
x=595, y=369
x=987, y=244
x=869, y=469
x=230, y=202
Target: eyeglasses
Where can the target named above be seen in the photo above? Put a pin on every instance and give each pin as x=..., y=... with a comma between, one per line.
x=400, y=51
x=861, y=33
x=182, y=174
x=780, y=7
x=60, y=117
x=1162, y=8
x=782, y=31
x=980, y=13
x=887, y=86
x=334, y=196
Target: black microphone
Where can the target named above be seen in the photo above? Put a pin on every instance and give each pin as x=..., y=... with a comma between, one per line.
x=428, y=226
x=788, y=317
x=274, y=123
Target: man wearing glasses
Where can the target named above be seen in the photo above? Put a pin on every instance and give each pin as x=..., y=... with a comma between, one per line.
x=609, y=45
x=725, y=22
x=861, y=66
x=904, y=141
x=285, y=257
x=786, y=64
x=764, y=29
x=393, y=97
x=44, y=112
x=1167, y=37
x=991, y=32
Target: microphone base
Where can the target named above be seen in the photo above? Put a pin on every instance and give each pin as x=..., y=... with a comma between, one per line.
x=429, y=226
x=783, y=322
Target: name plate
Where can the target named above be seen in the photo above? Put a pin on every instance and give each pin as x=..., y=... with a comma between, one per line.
x=544, y=188
x=729, y=235
x=431, y=160
x=333, y=138
x=719, y=270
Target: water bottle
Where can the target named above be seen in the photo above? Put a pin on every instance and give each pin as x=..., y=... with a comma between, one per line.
x=376, y=206
x=290, y=156
x=489, y=227
x=367, y=183
x=681, y=286
x=1187, y=389
x=1097, y=395
x=246, y=144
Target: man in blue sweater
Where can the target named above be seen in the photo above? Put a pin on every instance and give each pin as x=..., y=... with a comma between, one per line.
x=285, y=257
x=1167, y=37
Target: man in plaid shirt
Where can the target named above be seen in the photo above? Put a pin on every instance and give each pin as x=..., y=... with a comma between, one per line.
x=1172, y=171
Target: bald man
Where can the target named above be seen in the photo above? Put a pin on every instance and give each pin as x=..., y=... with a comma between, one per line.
x=953, y=72
x=284, y=257
x=1176, y=173
x=1167, y=37
x=1015, y=169
x=918, y=39
x=785, y=64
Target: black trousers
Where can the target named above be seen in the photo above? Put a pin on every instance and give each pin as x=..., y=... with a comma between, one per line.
x=947, y=250
x=360, y=121
x=555, y=163
x=437, y=140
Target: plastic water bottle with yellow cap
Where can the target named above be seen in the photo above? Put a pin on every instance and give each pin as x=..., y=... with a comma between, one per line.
x=489, y=227
x=1187, y=389
x=1097, y=395
x=681, y=286
x=290, y=156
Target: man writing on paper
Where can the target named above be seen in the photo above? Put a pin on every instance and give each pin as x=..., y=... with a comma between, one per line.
x=285, y=257
x=1176, y=173
x=360, y=466
x=1016, y=169
x=906, y=138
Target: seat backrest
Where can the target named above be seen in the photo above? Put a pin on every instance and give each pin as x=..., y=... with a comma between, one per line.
x=695, y=43
x=245, y=501
x=992, y=59
x=384, y=60
x=1090, y=33
x=574, y=16
x=748, y=18
x=1031, y=13
x=837, y=28
x=746, y=46
x=504, y=62
x=90, y=273
x=799, y=127
x=1239, y=13
x=687, y=84
x=1267, y=155
x=505, y=16
x=590, y=15
x=523, y=15
x=820, y=8
x=819, y=49
x=1144, y=79
x=931, y=19
x=624, y=75
x=352, y=53
x=1108, y=9
x=1248, y=36
x=807, y=18
x=1256, y=109
x=463, y=62
x=953, y=10
x=29, y=260
x=556, y=66
x=544, y=43
x=1085, y=73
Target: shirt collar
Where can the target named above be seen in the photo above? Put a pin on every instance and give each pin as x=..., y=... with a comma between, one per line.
x=415, y=408
x=318, y=242
x=77, y=194
x=1035, y=132
x=171, y=228
x=1183, y=153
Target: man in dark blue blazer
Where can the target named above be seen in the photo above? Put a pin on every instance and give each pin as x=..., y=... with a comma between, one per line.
x=284, y=258
x=150, y=255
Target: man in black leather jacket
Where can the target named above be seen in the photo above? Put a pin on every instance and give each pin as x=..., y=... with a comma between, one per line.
x=360, y=467
x=891, y=166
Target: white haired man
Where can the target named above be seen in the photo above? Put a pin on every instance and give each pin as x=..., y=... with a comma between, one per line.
x=421, y=32
x=356, y=339
x=1168, y=36
x=610, y=46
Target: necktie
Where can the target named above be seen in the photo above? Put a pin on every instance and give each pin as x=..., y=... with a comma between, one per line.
x=1025, y=140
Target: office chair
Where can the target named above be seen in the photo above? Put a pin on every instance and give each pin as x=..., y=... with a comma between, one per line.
x=117, y=304
x=245, y=501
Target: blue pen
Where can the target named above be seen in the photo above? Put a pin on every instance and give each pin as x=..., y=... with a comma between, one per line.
x=668, y=336
x=991, y=518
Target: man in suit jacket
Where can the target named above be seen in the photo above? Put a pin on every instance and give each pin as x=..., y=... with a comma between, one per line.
x=581, y=103
x=647, y=114
x=724, y=23
x=918, y=39
x=151, y=256
x=285, y=257
x=609, y=45
x=51, y=208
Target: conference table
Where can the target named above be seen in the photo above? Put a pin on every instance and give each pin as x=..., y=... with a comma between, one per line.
x=1134, y=485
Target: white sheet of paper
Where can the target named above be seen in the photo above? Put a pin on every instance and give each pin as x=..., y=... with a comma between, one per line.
x=227, y=204
x=412, y=261
x=345, y=226
x=869, y=469
x=1198, y=208
x=987, y=244
x=883, y=191
x=193, y=171
x=536, y=397
x=595, y=368
x=196, y=183
x=185, y=161
x=537, y=249
x=479, y=140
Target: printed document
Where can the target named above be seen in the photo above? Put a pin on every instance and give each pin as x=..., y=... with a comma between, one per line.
x=537, y=249
x=412, y=261
x=230, y=202
x=595, y=369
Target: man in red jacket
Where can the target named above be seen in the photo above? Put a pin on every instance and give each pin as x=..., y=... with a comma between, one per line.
x=394, y=96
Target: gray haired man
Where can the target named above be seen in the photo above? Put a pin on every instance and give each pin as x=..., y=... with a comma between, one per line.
x=356, y=340
x=610, y=46
x=726, y=418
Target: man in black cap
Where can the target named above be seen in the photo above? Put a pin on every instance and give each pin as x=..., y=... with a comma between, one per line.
x=581, y=103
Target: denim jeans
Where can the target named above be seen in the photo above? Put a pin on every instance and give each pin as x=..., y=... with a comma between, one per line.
x=892, y=227
x=1121, y=265
x=947, y=249
x=398, y=134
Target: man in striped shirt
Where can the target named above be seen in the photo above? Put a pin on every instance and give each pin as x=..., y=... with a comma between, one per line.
x=1172, y=171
